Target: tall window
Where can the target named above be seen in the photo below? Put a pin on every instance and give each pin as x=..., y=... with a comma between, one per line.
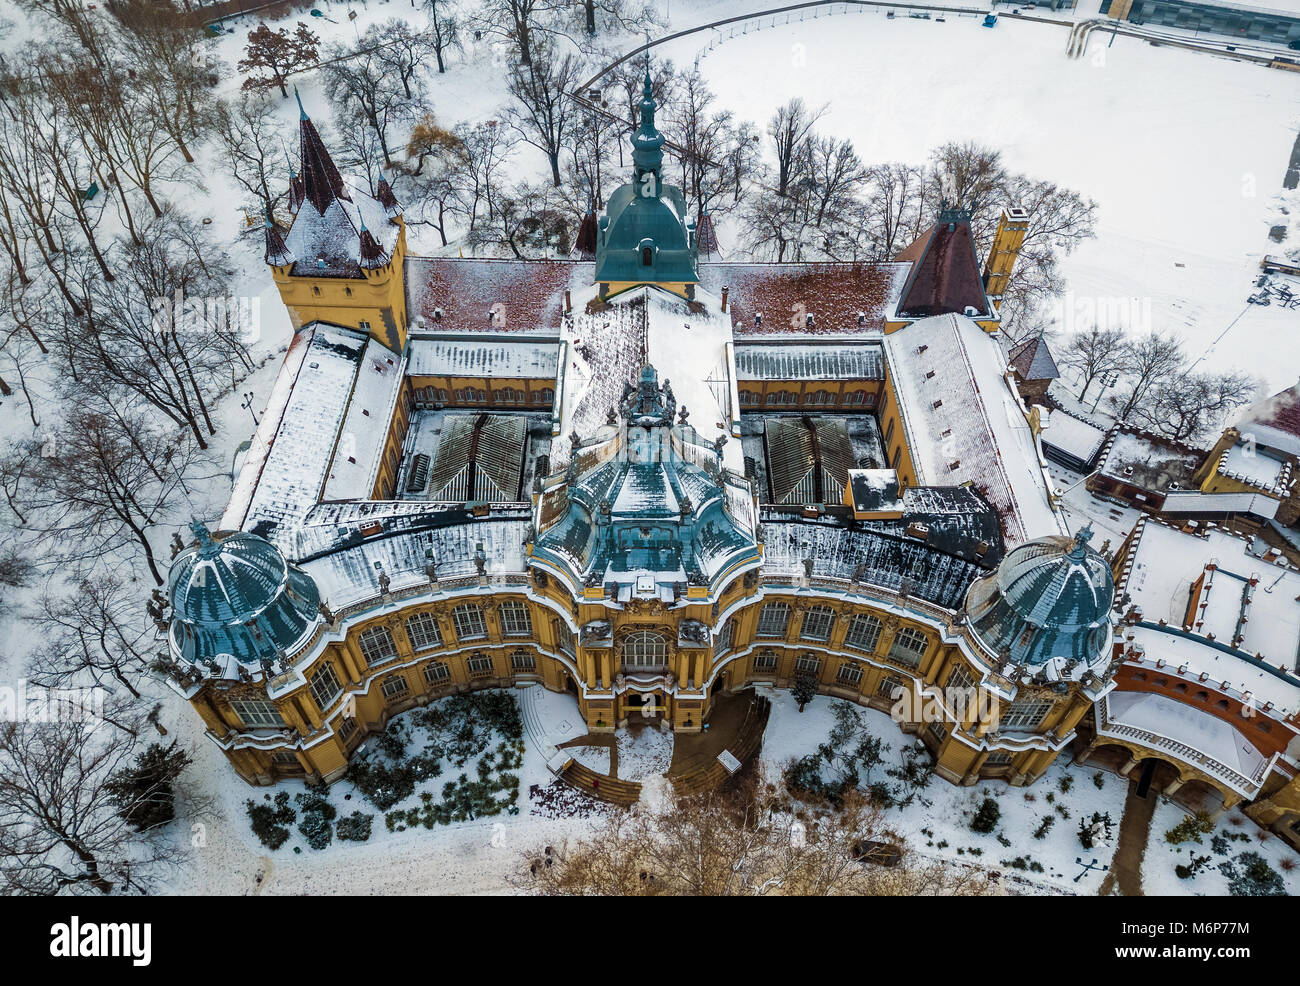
x=1026, y=714
x=469, y=622
x=722, y=643
x=848, y=674
x=645, y=649
x=765, y=661
x=422, y=629
x=436, y=671
x=564, y=637
x=515, y=621
x=817, y=623
x=377, y=645
x=889, y=687
x=807, y=664
x=864, y=632
x=522, y=660
x=479, y=665
x=773, y=620
x=325, y=687
x=394, y=685
x=908, y=646
x=255, y=713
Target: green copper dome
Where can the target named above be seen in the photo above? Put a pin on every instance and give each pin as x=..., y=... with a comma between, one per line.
x=237, y=596
x=1050, y=598
x=645, y=237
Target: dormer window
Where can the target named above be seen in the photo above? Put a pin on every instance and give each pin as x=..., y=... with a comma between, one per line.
x=647, y=248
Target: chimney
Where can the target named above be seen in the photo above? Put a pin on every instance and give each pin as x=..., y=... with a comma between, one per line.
x=724, y=297
x=568, y=300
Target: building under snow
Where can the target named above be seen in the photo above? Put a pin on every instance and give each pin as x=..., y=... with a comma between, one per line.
x=642, y=479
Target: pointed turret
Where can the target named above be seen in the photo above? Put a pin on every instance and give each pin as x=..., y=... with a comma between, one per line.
x=321, y=180
x=386, y=198
x=296, y=193
x=372, y=254
x=277, y=254
x=584, y=247
x=706, y=237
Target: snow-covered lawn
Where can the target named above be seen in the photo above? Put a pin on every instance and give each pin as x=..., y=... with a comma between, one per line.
x=938, y=822
x=1184, y=152
x=1233, y=835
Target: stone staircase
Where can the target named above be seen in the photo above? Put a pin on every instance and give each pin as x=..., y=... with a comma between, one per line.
x=624, y=793
x=700, y=774
x=535, y=731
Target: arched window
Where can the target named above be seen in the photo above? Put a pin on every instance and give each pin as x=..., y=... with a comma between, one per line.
x=817, y=623
x=864, y=632
x=647, y=256
x=422, y=629
x=908, y=646
x=394, y=685
x=723, y=641
x=377, y=645
x=515, y=621
x=645, y=649
x=773, y=620
x=469, y=622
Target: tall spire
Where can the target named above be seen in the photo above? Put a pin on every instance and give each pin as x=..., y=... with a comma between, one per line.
x=296, y=194
x=384, y=194
x=647, y=142
x=277, y=254
x=321, y=180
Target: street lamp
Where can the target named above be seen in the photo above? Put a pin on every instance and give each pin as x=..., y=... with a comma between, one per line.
x=1113, y=380
x=247, y=405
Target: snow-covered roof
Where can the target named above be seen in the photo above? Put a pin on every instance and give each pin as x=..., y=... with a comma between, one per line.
x=329, y=244
x=483, y=356
x=285, y=470
x=843, y=298
x=1182, y=723
x=450, y=294
x=1250, y=464
x=965, y=422
x=1148, y=461
x=360, y=447
x=838, y=360
x=1072, y=435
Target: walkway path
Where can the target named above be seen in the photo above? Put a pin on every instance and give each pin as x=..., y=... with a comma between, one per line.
x=1134, y=832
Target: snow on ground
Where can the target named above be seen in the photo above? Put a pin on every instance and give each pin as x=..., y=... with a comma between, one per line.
x=592, y=757
x=1184, y=152
x=644, y=752
x=937, y=823
x=1233, y=834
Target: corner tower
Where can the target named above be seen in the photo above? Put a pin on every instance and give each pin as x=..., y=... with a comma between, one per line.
x=644, y=236
x=342, y=258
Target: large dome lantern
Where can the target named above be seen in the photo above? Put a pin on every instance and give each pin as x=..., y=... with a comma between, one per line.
x=1049, y=598
x=235, y=596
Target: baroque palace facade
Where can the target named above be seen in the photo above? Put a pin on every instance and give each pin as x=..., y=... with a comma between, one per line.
x=644, y=479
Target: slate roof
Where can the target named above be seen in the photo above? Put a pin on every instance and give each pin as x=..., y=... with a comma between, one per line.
x=945, y=277
x=1032, y=359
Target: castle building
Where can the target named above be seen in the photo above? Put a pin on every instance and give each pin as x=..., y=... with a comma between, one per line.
x=644, y=479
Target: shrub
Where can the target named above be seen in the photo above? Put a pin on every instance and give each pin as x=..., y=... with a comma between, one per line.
x=270, y=819
x=986, y=819
x=355, y=827
x=1251, y=876
x=1191, y=828
x=1065, y=784
x=1044, y=826
x=1098, y=781
x=317, y=814
x=143, y=791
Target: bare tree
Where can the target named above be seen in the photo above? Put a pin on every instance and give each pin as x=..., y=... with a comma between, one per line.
x=898, y=206
x=1148, y=361
x=1193, y=405
x=444, y=30
x=486, y=147
x=790, y=126
x=252, y=146
x=357, y=84
x=402, y=51
x=63, y=822
x=744, y=843
x=542, y=107
x=1093, y=354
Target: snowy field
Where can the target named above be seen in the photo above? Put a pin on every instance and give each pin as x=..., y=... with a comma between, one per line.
x=1184, y=152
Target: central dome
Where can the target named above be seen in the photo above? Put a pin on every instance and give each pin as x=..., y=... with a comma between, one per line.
x=238, y=596
x=1049, y=598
